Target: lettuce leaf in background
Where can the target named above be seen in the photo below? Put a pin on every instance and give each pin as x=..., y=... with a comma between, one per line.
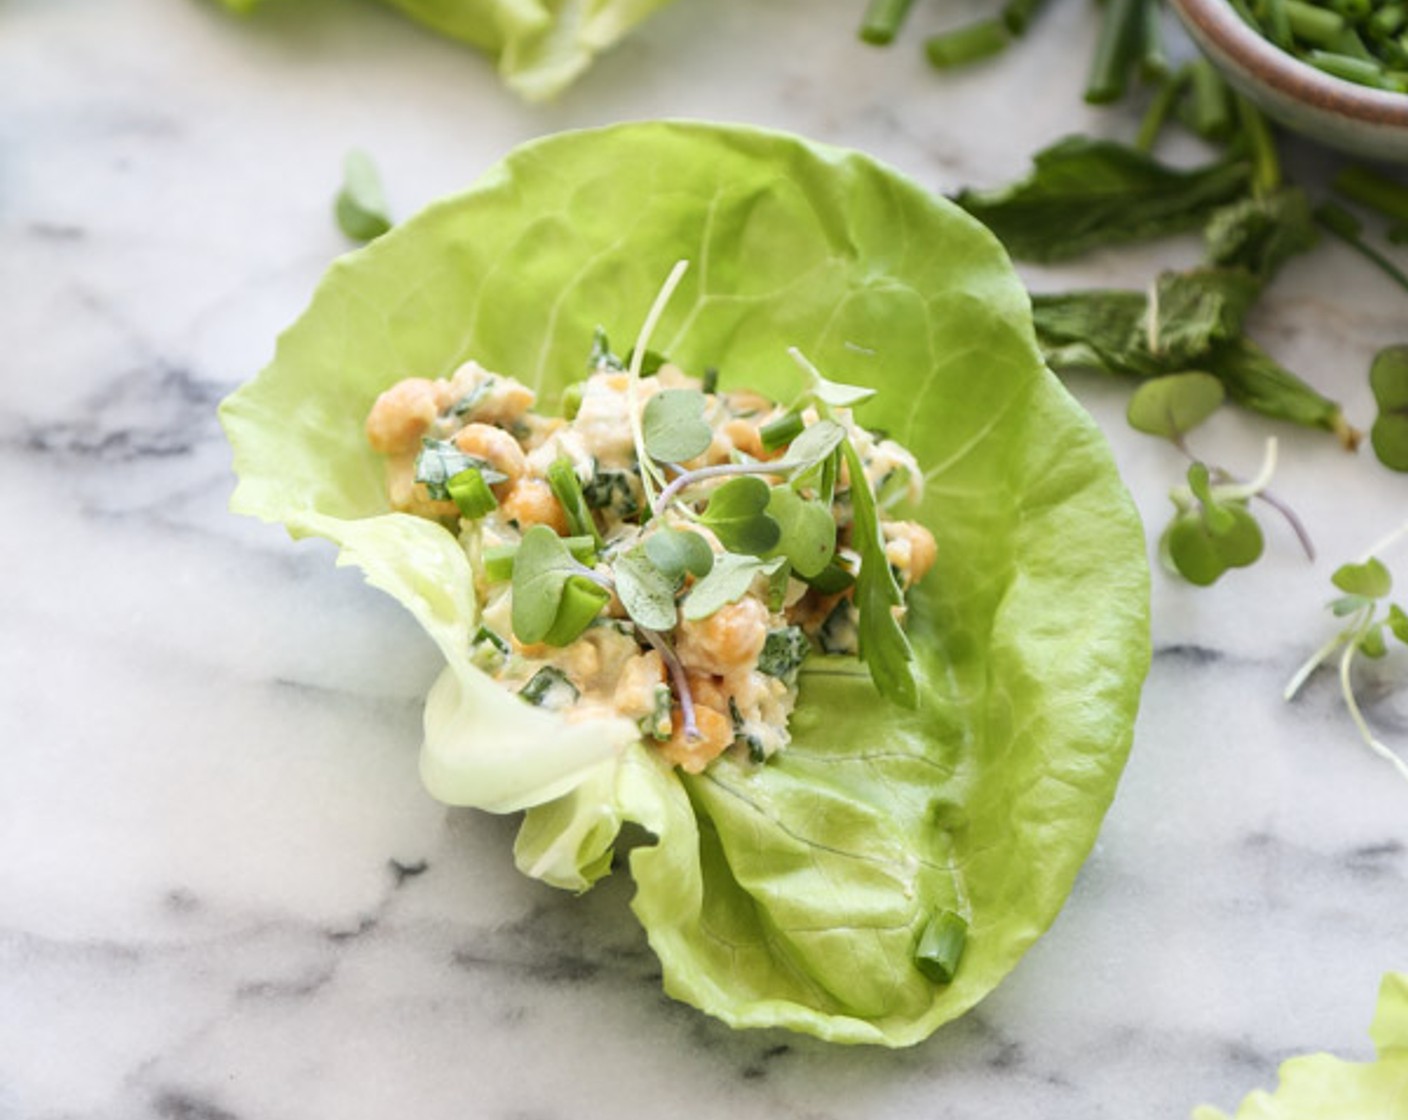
x=790, y=894
x=1323, y=1087
x=541, y=46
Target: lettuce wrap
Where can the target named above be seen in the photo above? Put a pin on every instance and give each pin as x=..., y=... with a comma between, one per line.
x=793, y=893
x=541, y=46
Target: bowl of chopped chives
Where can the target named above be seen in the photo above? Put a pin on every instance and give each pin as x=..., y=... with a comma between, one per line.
x=1334, y=70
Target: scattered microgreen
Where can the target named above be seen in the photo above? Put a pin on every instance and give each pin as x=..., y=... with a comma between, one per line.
x=440, y=460
x=361, y=209
x=1173, y=405
x=674, y=427
x=1365, y=588
x=679, y=551
x=647, y=593
x=1388, y=378
x=810, y=448
x=555, y=597
x=726, y=583
x=808, y=531
x=737, y=515
x=883, y=645
x=1211, y=533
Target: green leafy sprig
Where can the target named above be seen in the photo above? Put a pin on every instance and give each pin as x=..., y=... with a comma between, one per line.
x=1365, y=587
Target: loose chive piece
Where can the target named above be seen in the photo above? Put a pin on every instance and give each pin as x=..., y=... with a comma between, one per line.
x=941, y=946
x=1210, y=115
x=471, y=493
x=566, y=488
x=1114, y=51
x=968, y=44
x=572, y=400
x=1318, y=26
x=1349, y=69
x=782, y=431
x=498, y=562
x=883, y=20
x=1017, y=14
x=1153, y=59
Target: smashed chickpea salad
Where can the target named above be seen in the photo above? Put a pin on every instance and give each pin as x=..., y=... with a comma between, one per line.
x=665, y=550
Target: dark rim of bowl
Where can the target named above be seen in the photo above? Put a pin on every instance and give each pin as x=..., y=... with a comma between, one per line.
x=1219, y=23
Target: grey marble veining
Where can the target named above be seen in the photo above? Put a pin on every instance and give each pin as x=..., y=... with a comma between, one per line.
x=224, y=894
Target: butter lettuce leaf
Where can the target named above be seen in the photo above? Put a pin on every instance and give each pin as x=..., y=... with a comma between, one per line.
x=541, y=46
x=1321, y=1086
x=791, y=893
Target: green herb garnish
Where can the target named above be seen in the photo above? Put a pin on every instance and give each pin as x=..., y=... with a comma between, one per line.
x=1388, y=378
x=555, y=597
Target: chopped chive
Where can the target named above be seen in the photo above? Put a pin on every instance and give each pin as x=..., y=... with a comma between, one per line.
x=549, y=688
x=967, y=44
x=709, y=383
x=1352, y=10
x=883, y=20
x=1153, y=59
x=1349, y=44
x=941, y=946
x=1318, y=26
x=1388, y=20
x=782, y=431
x=562, y=478
x=484, y=634
x=498, y=562
x=582, y=600
x=1348, y=69
x=1114, y=51
x=1017, y=14
x=471, y=493
x=1376, y=191
x=1210, y=113
x=1278, y=23
x=572, y=400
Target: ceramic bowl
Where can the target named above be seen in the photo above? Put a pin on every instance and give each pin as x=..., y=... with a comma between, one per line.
x=1353, y=118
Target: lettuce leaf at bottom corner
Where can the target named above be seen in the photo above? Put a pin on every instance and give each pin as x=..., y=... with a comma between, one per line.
x=1323, y=1087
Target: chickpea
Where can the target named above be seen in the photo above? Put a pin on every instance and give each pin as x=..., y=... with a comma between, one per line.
x=635, y=690
x=744, y=436
x=692, y=755
x=530, y=501
x=496, y=447
x=402, y=415
x=730, y=638
x=911, y=548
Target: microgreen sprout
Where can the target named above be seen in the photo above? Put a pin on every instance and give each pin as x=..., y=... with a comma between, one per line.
x=1212, y=530
x=1388, y=378
x=650, y=474
x=1365, y=588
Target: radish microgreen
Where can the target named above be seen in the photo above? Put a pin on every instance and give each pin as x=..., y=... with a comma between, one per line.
x=1365, y=587
x=1388, y=378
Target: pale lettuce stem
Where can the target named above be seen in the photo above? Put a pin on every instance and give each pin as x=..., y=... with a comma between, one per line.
x=667, y=655
x=649, y=472
x=1346, y=663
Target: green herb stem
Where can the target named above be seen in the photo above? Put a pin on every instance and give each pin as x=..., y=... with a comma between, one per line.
x=964, y=45
x=1378, y=192
x=1266, y=164
x=1165, y=99
x=883, y=20
x=1345, y=226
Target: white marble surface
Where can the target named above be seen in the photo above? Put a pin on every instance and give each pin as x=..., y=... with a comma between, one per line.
x=223, y=895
